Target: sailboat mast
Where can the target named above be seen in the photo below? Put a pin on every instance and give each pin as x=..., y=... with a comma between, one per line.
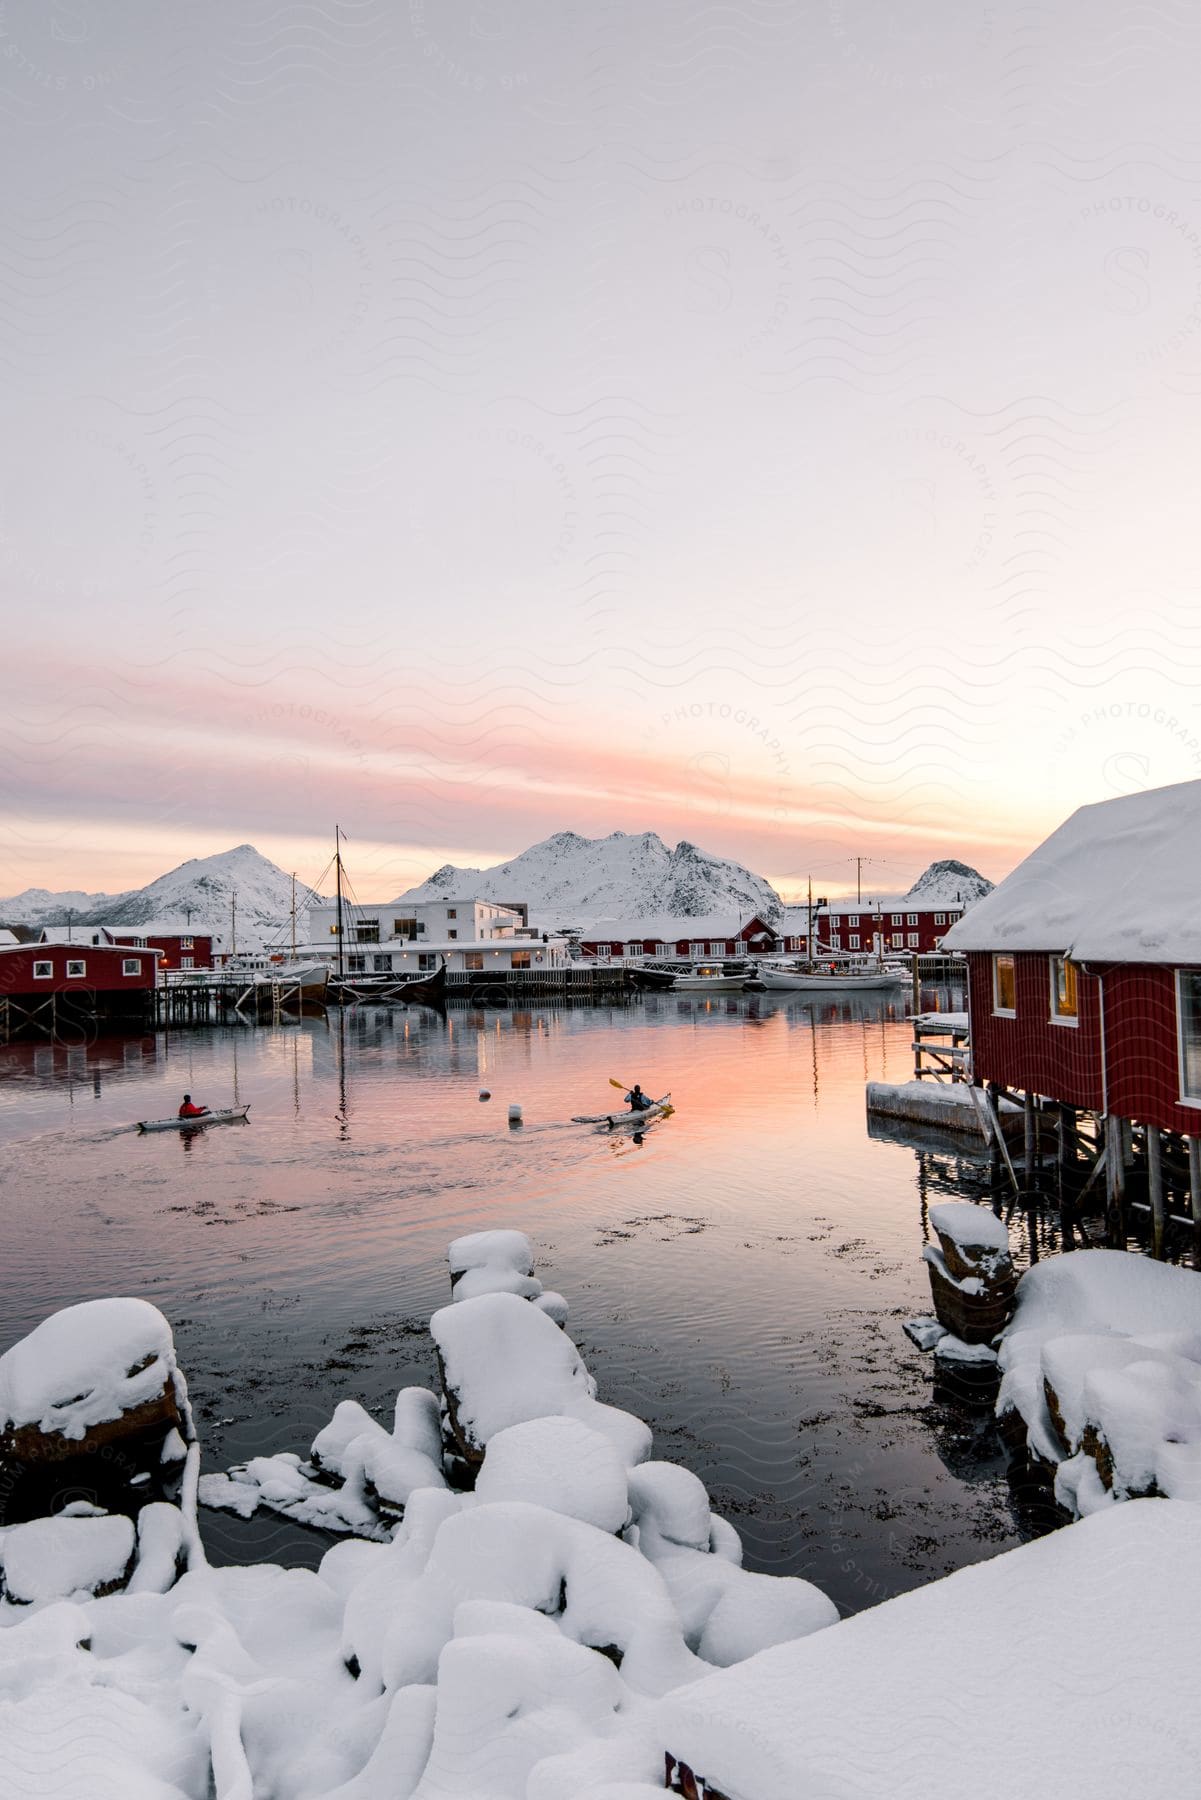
x=338, y=867
x=293, y=915
x=809, y=924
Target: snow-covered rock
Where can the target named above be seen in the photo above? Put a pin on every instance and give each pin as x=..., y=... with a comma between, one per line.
x=1102, y=1364
x=493, y=1262
x=65, y=1556
x=89, y=1365
x=572, y=880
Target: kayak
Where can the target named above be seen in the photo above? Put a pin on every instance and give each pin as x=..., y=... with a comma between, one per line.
x=231, y=1115
x=612, y=1120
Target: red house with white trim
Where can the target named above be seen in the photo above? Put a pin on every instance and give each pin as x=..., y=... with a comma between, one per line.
x=679, y=940
x=1084, y=965
x=49, y=987
x=176, y=949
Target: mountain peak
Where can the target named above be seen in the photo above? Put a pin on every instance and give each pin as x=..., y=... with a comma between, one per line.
x=950, y=880
x=569, y=880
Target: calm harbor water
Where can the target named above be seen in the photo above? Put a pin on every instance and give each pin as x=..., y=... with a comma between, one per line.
x=738, y=1278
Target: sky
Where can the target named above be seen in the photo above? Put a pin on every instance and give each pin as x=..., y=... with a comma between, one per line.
x=771, y=425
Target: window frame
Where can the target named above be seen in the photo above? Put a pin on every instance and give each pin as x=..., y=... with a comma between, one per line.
x=43, y=969
x=520, y=959
x=999, y=1011
x=853, y=940
x=474, y=960
x=1187, y=1099
x=77, y=968
x=1054, y=963
x=132, y=965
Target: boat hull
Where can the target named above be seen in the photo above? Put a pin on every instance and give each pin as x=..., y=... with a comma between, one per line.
x=822, y=984
x=614, y=1120
x=233, y=1115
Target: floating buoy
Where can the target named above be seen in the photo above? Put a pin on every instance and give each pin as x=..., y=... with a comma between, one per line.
x=514, y=1115
x=484, y=1094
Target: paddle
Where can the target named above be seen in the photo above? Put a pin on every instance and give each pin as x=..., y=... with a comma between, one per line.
x=624, y=1086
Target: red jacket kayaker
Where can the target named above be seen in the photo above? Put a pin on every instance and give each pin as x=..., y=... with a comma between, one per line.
x=188, y=1111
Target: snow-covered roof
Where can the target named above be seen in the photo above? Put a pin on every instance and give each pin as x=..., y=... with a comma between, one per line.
x=903, y=1699
x=9, y=937
x=1120, y=881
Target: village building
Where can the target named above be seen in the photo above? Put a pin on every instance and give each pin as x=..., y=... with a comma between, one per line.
x=667, y=939
x=917, y=927
x=1084, y=980
x=176, y=949
x=51, y=987
x=411, y=938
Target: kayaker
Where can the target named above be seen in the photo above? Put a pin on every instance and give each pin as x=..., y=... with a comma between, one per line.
x=188, y=1111
x=638, y=1101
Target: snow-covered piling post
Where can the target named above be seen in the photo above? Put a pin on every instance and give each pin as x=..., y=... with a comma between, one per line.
x=972, y=1279
x=1194, y=1195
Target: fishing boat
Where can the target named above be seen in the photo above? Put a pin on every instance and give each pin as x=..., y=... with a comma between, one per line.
x=655, y=1111
x=421, y=990
x=656, y=979
x=230, y=1115
x=832, y=979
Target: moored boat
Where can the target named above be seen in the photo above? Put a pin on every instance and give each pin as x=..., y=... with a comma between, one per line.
x=422, y=990
x=839, y=980
x=709, y=978
x=230, y=1115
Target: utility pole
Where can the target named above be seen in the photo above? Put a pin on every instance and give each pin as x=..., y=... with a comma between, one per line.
x=70, y=924
x=859, y=862
x=233, y=921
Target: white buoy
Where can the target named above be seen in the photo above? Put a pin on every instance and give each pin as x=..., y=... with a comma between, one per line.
x=514, y=1115
x=484, y=1094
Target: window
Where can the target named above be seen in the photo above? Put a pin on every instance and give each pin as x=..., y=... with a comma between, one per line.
x=898, y=940
x=633, y=949
x=854, y=919
x=697, y=949
x=952, y=917
x=382, y=965
x=520, y=959
x=1004, y=984
x=185, y=962
x=836, y=939
x=368, y=933
x=404, y=928
x=665, y=949
x=1188, y=1028
x=43, y=971
x=717, y=949
x=915, y=938
x=357, y=965
x=854, y=940
x=1064, y=1007
x=897, y=919
x=604, y=949
x=426, y=960
x=76, y=969
x=911, y=918
x=452, y=912
x=473, y=959
x=186, y=944
x=452, y=934
x=940, y=918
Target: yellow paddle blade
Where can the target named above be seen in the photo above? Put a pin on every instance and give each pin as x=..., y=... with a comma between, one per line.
x=613, y=1082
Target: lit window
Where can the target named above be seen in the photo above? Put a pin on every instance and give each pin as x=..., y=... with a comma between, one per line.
x=452, y=912
x=76, y=969
x=1188, y=1027
x=520, y=959
x=132, y=965
x=473, y=959
x=43, y=971
x=1064, y=1006
x=1004, y=984
x=186, y=944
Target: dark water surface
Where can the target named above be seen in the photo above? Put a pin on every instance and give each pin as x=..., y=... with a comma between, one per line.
x=739, y=1278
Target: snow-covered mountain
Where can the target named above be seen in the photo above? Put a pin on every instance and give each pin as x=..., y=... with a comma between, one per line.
x=572, y=880
x=950, y=881
x=198, y=895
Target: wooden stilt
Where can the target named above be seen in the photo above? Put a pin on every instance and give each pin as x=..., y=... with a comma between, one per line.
x=1115, y=1181
x=1155, y=1189
x=1031, y=1142
x=1194, y=1195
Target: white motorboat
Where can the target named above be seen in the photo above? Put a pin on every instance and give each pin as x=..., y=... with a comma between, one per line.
x=710, y=978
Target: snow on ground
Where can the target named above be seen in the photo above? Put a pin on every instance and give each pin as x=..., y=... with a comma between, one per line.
x=1102, y=1367
x=1055, y=1668
x=553, y=1631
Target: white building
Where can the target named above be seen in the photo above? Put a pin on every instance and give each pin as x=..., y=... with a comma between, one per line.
x=410, y=938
